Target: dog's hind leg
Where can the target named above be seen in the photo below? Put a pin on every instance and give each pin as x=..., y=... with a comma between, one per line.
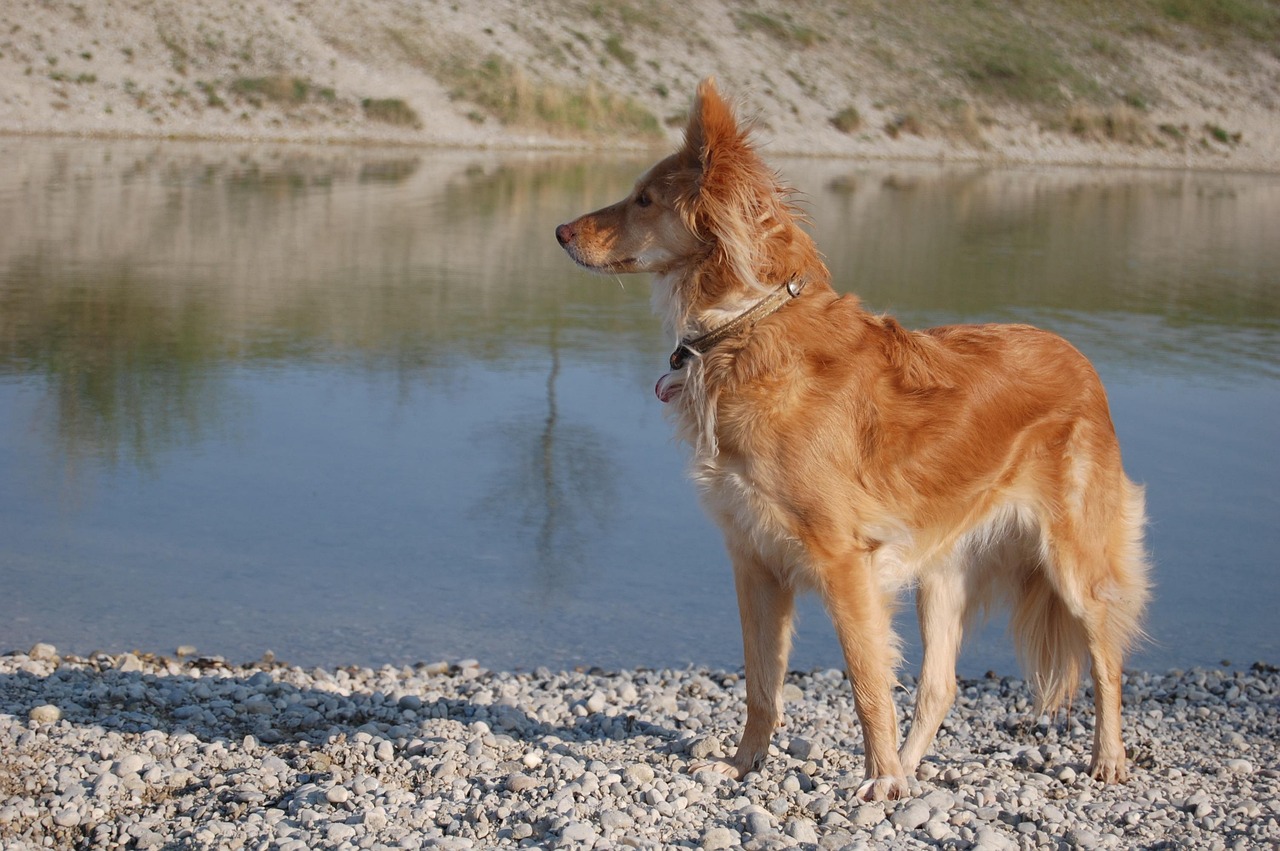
x=940, y=608
x=860, y=611
x=1113, y=623
x=1088, y=603
x=765, y=606
x=1108, y=759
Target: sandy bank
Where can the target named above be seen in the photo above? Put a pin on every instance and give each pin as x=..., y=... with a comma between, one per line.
x=1040, y=84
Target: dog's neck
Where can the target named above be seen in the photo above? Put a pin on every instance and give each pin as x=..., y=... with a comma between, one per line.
x=738, y=323
x=673, y=302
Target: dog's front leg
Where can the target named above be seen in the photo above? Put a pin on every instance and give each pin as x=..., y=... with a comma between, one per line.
x=765, y=606
x=861, y=614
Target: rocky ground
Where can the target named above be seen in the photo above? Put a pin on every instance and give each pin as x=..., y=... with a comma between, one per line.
x=188, y=752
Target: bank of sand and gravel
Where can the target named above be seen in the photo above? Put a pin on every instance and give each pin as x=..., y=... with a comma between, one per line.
x=145, y=752
x=1142, y=83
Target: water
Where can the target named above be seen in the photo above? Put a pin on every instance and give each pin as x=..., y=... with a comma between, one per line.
x=356, y=407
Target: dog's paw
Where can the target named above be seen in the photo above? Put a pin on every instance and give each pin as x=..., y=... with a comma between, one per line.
x=1109, y=770
x=719, y=766
x=883, y=789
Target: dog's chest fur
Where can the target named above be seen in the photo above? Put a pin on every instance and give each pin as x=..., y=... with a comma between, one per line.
x=744, y=505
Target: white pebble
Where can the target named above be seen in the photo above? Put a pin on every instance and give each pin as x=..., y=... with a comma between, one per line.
x=46, y=714
x=128, y=663
x=43, y=652
x=718, y=838
x=578, y=832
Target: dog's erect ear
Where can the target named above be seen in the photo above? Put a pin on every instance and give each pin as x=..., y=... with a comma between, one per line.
x=713, y=127
x=735, y=190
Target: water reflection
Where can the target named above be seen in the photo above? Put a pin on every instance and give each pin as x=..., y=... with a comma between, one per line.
x=1119, y=260
x=265, y=370
x=557, y=482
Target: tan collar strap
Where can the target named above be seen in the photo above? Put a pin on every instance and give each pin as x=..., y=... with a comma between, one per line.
x=708, y=341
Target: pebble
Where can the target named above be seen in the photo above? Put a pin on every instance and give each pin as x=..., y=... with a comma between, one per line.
x=455, y=756
x=578, y=832
x=869, y=814
x=42, y=652
x=910, y=815
x=45, y=714
x=718, y=838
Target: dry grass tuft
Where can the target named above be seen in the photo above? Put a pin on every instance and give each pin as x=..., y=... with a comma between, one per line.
x=507, y=93
x=1120, y=123
x=392, y=111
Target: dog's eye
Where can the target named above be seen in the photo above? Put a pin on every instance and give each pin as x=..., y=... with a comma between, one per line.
x=643, y=199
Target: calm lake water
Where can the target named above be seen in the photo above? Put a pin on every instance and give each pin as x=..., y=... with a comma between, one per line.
x=356, y=407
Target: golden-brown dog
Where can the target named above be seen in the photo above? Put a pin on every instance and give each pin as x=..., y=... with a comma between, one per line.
x=841, y=453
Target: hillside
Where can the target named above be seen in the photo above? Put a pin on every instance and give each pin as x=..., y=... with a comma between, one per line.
x=1146, y=82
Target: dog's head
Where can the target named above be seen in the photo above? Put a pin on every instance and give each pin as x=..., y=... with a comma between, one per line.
x=710, y=221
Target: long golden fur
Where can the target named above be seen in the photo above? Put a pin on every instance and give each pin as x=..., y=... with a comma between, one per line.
x=843, y=454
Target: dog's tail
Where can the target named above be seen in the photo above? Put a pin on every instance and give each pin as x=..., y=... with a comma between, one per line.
x=1052, y=644
x=1058, y=617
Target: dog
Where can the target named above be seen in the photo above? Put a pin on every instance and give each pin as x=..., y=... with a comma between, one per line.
x=843, y=454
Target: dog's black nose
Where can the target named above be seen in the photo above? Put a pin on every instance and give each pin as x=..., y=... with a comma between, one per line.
x=564, y=234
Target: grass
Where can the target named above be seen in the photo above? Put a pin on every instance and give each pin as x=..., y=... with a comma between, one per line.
x=508, y=94
x=613, y=46
x=847, y=120
x=778, y=27
x=392, y=111
x=1221, y=135
x=1120, y=123
x=1222, y=19
x=277, y=89
x=1015, y=68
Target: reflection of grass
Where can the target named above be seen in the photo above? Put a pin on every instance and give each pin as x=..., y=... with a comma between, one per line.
x=506, y=92
x=125, y=369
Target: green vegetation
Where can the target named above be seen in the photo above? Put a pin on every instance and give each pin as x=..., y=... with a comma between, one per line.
x=778, y=27
x=1023, y=67
x=392, y=111
x=211, y=96
x=847, y=120
x=1219, y=134
x=613, y=46
x=278, y=89
x=1255, y=19
x=508, y=94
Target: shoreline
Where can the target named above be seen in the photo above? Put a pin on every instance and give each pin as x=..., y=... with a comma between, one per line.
x=1067, y=154
x=149, y=752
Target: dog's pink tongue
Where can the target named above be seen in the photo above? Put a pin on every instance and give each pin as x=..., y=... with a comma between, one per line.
x=667, y=387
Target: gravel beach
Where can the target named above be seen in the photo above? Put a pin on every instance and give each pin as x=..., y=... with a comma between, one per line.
x=138, y=751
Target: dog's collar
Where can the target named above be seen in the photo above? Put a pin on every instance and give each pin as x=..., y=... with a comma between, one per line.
x=704, y=343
